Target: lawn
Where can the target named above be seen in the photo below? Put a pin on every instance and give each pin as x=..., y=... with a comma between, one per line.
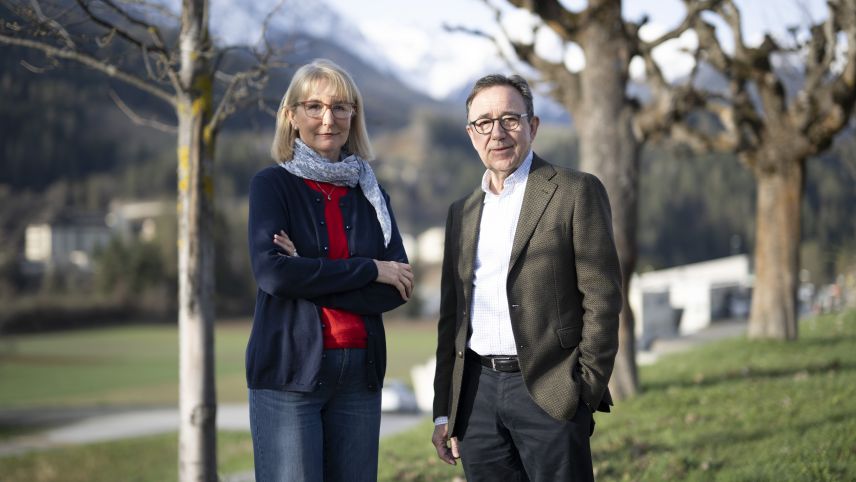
x=138, y=365
x=732, y=410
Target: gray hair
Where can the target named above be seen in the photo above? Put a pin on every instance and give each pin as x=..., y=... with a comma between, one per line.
x=515, y=81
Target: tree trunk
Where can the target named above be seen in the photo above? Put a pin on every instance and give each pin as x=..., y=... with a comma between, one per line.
x=197, y=458
x=609, y=150
x=777, y=242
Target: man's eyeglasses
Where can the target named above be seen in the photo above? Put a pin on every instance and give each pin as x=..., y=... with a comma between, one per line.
x=509, y=122
x=315, y=109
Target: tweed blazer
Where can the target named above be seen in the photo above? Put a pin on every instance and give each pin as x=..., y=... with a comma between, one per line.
x=564, y=293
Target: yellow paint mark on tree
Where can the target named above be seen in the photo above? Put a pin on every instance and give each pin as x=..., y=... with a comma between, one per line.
x=203, y=103
x=183, y=169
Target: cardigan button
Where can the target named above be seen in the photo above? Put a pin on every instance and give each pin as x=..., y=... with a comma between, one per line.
x=325, y=248
x=348, y=227
x=371, y=362
x=322, y=223
x=318, y=199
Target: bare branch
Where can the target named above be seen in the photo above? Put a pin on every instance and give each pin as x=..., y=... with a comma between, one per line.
x=92, y=62
x=562, y=21
x=266, y=25
x=139, y=120
x=153, y=29
x=34, y=69
x=155, y=7
x=694, y=9
x=820, y=54
x=480, y=33
x=112, y=27
x=52, y=24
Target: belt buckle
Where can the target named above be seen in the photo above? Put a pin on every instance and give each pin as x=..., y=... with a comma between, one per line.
x=493, y=364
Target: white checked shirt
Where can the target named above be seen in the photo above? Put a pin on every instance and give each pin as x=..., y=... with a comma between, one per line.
x=491, y=320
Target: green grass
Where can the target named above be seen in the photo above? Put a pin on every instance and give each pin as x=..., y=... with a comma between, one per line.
x=735, y=410
x=147, y=459
x=139, y=365
x=110, y=366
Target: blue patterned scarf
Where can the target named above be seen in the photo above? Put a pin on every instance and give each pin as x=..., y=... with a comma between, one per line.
x=350, y=171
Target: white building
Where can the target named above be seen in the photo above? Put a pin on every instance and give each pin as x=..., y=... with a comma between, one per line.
x=136, y=219
x=685, y=299
x=65, y=241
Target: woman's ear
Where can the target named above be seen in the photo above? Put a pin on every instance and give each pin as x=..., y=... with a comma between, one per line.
x=289, y=117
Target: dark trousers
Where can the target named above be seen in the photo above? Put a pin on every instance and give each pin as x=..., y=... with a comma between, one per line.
x=503, y=435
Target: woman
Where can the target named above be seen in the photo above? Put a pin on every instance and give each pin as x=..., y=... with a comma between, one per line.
x=328, y=260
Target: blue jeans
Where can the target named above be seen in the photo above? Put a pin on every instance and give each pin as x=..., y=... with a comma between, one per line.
x=330, y=434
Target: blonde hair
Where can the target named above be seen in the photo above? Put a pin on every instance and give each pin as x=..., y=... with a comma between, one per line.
x=304, y=80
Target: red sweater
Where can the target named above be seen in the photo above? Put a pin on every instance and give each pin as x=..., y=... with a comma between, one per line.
x=341, y=329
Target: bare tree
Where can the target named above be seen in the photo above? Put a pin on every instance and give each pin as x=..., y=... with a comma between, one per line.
x=786, y=100
x=183, y=74
x=612, y=127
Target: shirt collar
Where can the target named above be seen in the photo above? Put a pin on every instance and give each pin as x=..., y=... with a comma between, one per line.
x=518, y=177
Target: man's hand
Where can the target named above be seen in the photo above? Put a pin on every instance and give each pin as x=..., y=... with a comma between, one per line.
x=442, y=443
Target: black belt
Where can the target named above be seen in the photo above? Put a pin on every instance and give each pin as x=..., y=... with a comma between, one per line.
x=497, y=363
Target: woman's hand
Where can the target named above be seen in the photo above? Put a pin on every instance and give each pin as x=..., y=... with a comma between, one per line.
x=283, y=241
x=399, y=275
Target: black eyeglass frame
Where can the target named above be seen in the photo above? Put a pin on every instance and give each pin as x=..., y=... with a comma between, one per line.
x=516, y=119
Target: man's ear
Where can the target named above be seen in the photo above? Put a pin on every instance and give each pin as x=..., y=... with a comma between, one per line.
x=533, y=126
x=472, y=133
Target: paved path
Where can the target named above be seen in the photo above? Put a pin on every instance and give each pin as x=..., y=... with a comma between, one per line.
x=716, y=331
x=94, y=425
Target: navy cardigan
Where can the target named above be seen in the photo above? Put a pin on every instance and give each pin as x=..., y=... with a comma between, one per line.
x=285, y=347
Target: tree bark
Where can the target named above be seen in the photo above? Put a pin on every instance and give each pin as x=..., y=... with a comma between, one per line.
x=777, y=242
x=197, y=458
x=609, y=150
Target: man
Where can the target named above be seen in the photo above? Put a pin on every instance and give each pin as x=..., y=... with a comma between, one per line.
x=531, y=293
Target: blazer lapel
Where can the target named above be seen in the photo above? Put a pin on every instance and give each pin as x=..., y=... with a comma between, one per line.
x=539, y=191
x=470, y=222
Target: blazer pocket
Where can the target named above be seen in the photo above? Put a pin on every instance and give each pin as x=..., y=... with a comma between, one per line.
x=570, y=337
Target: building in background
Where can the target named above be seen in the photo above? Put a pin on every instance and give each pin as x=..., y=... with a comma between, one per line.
x=64, y=241
x=688, y=298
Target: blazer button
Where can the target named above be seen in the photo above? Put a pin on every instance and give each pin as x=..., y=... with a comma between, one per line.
x=460, y=354
x=515, y=306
